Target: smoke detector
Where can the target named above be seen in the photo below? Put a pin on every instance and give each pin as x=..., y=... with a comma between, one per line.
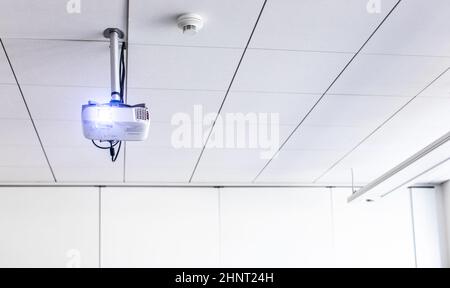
x=190, y=23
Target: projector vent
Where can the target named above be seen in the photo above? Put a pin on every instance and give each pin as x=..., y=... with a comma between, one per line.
x=142, y=114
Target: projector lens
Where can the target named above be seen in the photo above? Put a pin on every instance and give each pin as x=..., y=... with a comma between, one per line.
x=104, y=115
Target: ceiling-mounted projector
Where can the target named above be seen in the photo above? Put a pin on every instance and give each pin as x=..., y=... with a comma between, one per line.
x=111, y=123
x=115, y=122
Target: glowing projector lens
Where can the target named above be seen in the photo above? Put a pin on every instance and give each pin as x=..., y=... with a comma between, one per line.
x=104, y=115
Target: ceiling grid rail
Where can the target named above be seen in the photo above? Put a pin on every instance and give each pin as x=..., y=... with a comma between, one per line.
x=326, y=91
x=28, y=111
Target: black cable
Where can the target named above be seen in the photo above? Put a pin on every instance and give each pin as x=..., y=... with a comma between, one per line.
x=114, y=158
x=122, y=73
x=114, y=143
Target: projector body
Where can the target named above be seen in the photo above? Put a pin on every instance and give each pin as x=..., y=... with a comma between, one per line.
x=115, y=121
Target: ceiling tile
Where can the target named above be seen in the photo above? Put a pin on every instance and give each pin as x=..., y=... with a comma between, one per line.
x=439, y=175
x=289, y=71
x=18, y=132
x=355, y=111
x=389, y=75
x=416, y=27
x=181, y=67
x=62, y=133
x=82, y=157
x=325, y=138
x=321, y=25
x=440, y=88
x=84, y=164
x=6, y=76
x=236, y=164
x=73, y=157
x=61, y=103
x=21, y=174
x=300, y=166
x=56, y=19
x=227, y=23
x=164, y=104
x=88, y=175
x=147, y=164
x=418, y=125
x=60, y=63
x=229, y=166
x=12, y=103
x=290, y=108
x=22, y=156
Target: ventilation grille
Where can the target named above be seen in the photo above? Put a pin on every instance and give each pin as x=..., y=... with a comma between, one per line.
x=142, y=114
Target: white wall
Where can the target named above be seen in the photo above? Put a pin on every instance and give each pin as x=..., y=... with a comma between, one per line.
x=160, y=227
x=445, y=188
x=273, y=227
x=43, y=227
x=373, y=234
x=179, y=227
x=429, y=227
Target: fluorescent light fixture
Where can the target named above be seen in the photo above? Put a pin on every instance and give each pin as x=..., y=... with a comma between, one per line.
x=404, y=174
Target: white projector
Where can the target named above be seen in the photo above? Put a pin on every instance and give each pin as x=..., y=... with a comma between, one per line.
x=115, y=121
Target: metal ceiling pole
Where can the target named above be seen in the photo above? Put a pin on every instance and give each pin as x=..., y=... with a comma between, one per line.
x=114, y=34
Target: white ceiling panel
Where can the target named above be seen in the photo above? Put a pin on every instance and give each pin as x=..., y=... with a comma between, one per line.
x=415, y=127
x=355, y=111
x=18, y=132
x=181, y=67
x=58, y=19
x=73, y=157
x=60, y=63
x=148, y=164
x=337, y=125
x=440, y=88
x=12, y=103
x=227, y=23
x=83, y=157
x=6, y=76
x=61, y=103
x=289, y=71
x=317, y=25
x=21, y=174
x=229, y=166
x=290, y=108
x=325, y=138
x=439, y=175
x=164, y=104
x=62, y=133
x=416, y=27
x=22, y=156
x=88, y=175
x=239, y=164
x=299, y=166
x=84, y=164
x=389, y=75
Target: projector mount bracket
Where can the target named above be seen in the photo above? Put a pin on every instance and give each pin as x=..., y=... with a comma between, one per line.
x=114, y=34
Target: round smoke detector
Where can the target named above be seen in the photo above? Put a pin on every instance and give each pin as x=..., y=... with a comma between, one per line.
x=190, y=23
